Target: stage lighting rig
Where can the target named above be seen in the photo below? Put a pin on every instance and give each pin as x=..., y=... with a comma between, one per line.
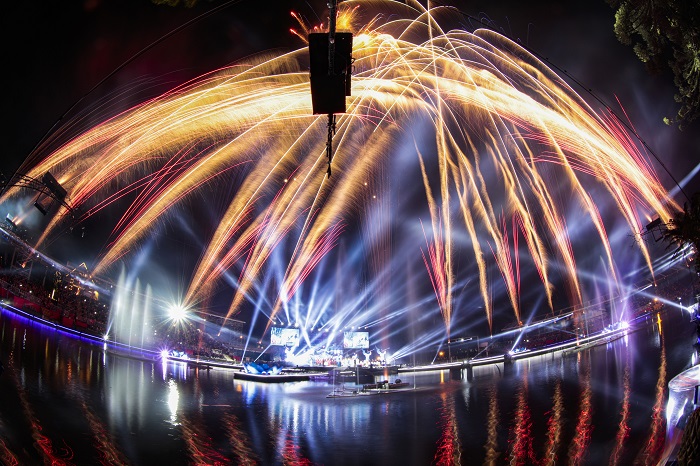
x=48, y=188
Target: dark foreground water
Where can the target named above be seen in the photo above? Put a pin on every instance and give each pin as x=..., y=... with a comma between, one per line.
x=65, y=401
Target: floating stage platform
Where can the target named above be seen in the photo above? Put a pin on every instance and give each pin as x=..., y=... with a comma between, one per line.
x=330, y=374
x=273, y=378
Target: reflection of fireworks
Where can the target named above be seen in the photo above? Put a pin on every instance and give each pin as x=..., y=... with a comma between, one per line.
x=43, y=445
x=655, y=443
x=241, y=451
x=584, y=427
x=505, y=147
x=623, y=426
x=102, y=438
x=491, y=445
x=521, y=439
x=291, y=452
x=199, y=447
x=449, y=448
x=554, y=427
x=7, y=456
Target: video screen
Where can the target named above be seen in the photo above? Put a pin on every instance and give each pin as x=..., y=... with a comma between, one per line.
x=281, y=336
x=356, y=340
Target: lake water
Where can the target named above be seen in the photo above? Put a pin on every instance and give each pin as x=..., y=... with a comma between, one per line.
x=67, y=401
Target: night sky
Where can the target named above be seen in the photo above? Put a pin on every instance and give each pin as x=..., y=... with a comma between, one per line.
x=57, y=52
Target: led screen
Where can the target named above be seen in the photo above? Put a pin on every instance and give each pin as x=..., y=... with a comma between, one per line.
x=356, y=340
x=284, y=336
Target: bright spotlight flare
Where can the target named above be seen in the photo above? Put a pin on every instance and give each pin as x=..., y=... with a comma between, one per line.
x=178, y=313
x=506, y=150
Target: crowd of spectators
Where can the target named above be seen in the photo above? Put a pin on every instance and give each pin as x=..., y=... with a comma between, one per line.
x=65, y=297
x=82, y=309
x=65, y=303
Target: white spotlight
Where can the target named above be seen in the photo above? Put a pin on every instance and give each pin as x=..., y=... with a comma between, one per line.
x=178, y=313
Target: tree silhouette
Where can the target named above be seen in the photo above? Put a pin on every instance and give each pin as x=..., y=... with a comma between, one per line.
x=665, y=34
x=683, y=230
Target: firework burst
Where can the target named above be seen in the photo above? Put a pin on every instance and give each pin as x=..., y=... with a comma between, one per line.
x=501, y=153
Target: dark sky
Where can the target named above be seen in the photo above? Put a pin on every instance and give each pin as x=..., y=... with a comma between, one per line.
x=56, y=52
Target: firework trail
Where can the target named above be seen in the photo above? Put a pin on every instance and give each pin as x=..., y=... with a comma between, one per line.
x=496, y=133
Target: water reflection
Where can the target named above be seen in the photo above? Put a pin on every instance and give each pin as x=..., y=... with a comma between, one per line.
x=130, y=393
x=491, y=446
x=68, y=402
x=43, y=444
x=173, y=397
x=6, y=455
x=582, y=435
x=554, y=422
x=655, y=442
x=103, y=440
x=623, y=429
x=449, y=448
x=522, y=451
x=291, y=451
x=241, y=451
x=200, y=446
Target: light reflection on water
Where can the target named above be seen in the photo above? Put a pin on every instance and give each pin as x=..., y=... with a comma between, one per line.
x=521, y=441
x=554, y=426
x=173, y=396
x=582, y=437
x=491, y=446
x=594, y=407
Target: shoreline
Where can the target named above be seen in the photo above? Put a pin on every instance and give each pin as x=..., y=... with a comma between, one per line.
x=120, y=349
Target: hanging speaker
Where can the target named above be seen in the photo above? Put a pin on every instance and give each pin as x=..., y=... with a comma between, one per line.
x=328, y=89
